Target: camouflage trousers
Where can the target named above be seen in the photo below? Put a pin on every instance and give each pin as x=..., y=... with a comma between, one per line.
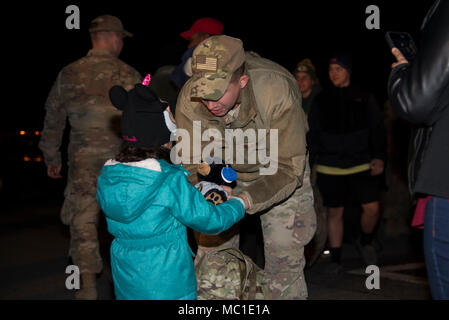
x=287, y=228
x=81, y=212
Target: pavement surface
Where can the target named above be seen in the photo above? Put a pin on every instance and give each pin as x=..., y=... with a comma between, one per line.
x=34, y=244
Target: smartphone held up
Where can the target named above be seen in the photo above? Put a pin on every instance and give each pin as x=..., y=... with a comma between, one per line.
x=403, y=42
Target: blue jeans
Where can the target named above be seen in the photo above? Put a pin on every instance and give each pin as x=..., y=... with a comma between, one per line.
x=436, y=246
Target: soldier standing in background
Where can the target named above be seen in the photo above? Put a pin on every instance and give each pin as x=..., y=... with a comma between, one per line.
x=81, y=94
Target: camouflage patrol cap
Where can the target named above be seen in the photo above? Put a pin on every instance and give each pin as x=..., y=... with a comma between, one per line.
x=108, y=23
x=213, y=62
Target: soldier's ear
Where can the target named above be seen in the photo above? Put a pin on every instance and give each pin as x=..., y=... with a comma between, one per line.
x=118, y=97
x=243, y=81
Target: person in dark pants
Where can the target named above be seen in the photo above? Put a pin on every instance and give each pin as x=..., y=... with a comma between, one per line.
x=419, y=92
x=347, y=144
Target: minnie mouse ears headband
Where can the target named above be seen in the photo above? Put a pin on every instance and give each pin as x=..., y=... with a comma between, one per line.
x=145, y=121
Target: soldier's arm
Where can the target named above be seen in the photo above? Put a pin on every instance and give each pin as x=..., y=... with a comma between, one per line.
x=54, y=124
x=289, y=121
x=129, y=77
x=136, y=77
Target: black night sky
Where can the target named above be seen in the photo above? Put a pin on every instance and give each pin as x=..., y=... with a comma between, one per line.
x=38, y=44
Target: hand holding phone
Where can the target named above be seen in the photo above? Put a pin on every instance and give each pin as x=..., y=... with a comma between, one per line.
x=403, y=42
x=400, y=59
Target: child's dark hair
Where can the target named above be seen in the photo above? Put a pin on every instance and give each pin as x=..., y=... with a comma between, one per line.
x=131, y=153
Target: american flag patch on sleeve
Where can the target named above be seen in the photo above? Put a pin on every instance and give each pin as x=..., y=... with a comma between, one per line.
x=206, y=63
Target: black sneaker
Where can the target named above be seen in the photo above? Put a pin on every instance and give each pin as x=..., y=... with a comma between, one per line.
x=368, y=253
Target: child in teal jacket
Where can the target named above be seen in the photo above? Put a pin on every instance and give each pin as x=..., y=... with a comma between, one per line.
x=148, y=203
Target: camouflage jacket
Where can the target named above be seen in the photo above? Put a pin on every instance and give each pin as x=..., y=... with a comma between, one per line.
x=270, y=100
x=81, y=94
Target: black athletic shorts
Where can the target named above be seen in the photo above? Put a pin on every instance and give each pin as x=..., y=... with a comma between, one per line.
x=335, y=189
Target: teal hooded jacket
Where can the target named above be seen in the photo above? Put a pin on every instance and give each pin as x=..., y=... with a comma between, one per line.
x=148, y=205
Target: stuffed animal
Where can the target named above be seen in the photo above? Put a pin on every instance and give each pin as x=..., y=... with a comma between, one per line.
x=212, y=176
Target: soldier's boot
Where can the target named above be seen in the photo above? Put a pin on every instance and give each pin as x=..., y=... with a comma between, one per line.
x=88, y=289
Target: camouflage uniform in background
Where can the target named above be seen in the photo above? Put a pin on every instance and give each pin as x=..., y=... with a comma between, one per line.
x=284, y=199
x=81, y=94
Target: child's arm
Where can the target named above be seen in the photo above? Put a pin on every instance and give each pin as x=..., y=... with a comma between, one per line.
x=193, y=210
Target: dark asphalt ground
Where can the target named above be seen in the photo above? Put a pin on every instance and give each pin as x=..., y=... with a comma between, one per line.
x=34, y=246
x=34, y=243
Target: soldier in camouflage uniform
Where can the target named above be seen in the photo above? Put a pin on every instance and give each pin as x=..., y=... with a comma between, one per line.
x=233, y=90
x=81, y=94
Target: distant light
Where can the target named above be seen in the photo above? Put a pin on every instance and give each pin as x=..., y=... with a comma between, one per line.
x=26, y=158
x=38, y=159
x=36, y=133
x=326, y=252
x=22, y=133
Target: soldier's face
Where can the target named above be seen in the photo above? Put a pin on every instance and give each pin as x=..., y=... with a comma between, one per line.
x=229, y=100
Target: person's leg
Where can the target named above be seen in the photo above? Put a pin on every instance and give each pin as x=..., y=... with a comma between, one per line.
x=366, y=188
x=335, y=228
x=84, y=213
x=436, y=246
x=333, y=191
x=368, y=221
x=287, y=228
x=370, y=217
x=84, y=234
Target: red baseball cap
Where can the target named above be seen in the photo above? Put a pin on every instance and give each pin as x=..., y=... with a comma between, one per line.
x=206, y=25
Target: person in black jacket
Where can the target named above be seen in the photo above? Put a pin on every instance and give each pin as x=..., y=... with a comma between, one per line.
x=419, y=92
x=347, y=144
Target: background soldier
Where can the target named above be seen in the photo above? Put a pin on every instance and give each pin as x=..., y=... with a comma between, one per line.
x=233, y=90
x=81, y=94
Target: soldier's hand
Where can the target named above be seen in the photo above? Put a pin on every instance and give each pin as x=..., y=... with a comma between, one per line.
x=244, y=198
x=54, y=172
x=228, y=190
